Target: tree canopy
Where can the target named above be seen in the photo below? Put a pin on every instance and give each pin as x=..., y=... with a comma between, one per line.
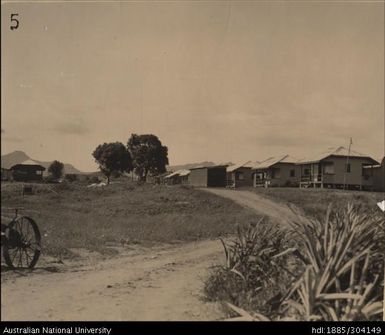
x=113, y=158
x=56, y=169
x=148, y=155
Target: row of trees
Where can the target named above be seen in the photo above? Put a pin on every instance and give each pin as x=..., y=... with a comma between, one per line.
x=144, y=154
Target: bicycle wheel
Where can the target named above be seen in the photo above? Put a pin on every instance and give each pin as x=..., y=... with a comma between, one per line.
x=22, y=244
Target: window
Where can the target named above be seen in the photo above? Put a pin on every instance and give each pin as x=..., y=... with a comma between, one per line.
x=348, y=167
x=239, y=176
x=306, y=172
x=329, y=168
x=39, y=173
x=292, y=173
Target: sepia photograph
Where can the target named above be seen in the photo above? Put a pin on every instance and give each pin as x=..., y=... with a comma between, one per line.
x=192, y=161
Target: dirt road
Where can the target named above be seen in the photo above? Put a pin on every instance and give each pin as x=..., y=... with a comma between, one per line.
x=279, y=213
x=163, y=283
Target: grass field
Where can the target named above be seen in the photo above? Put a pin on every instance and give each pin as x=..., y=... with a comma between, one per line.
x=74, y=216
x=314, y=202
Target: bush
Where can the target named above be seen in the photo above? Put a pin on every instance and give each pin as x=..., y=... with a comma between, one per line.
x=94, y=179
x=71, y=177
x=50, y=179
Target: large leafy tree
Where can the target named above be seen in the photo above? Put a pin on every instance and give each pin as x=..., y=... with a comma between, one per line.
x=113, y=159
x=148, y=155
x=56, y=169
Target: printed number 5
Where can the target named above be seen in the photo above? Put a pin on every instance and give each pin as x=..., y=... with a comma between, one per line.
x=14, y=21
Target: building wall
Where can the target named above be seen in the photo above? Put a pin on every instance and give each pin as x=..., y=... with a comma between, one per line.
x=184, y=179
x=172, y=180
x=285, y=179
x=247, y=177
x=6, y=175
x=198, y=177
x=354, y=177
x=208, y=177
x=379, y=177
x=27, y=173
x=216, y=177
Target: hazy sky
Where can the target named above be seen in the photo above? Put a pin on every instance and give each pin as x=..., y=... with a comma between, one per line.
x=218, y=81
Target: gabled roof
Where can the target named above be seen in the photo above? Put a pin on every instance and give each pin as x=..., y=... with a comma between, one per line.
x=29, y=162
x=179, y=173
x=234, y=167
x=209, y=167
x=333, y=151
x=272, y=161
x=184, y=173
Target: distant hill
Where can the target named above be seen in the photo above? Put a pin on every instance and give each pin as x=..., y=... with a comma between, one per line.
x=17, y=157
x=192, y=165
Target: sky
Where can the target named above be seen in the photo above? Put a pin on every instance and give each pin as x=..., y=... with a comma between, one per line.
x=215, y=81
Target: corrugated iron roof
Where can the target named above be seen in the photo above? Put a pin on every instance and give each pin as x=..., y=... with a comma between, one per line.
x=179, y=173
x=272, y=161
x=28, y=162
x=184, y=173
x=333, y=151
x=237, y=166
x=209, y=167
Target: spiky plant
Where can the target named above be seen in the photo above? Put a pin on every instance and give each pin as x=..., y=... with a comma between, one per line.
x=337, y=252
x=257, y=254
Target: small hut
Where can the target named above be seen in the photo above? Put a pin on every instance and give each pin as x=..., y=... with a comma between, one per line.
x=239, y=175
x=208, y=176
x=28, y=170
x=177, y=177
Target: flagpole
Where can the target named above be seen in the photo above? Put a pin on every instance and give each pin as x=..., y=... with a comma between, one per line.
x=347, y=162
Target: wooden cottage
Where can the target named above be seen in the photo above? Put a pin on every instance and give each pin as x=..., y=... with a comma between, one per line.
x=177, y=177
x=337, y=168
x=276, y=172
x=209, y=176
x=28, y=170
x=239, y=175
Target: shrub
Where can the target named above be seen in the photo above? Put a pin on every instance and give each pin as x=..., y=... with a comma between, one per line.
x=94, y=179
x=71, y=177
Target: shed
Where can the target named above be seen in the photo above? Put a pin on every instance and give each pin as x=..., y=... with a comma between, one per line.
x=28, y=170
x=177, y=177
x=239, y=175
x=208, y=176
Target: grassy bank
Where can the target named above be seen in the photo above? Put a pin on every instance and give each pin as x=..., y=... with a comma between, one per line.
x=74, y=216
x=314, y=202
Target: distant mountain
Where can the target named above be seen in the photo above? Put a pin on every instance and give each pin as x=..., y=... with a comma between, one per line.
x=17, y=157
x=193, y=165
